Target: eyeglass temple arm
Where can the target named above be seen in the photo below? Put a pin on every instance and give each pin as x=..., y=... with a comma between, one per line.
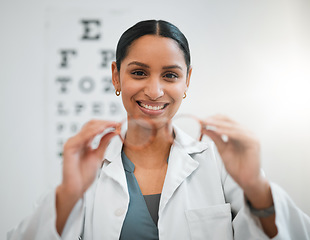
x=203, y=126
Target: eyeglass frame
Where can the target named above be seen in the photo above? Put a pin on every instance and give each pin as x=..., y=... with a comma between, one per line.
x=118, y=129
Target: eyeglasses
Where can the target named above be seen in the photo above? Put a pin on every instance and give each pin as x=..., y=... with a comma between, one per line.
x=144, y=130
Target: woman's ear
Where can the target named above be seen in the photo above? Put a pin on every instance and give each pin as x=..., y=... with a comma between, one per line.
x=188, y=78
x=115, y=77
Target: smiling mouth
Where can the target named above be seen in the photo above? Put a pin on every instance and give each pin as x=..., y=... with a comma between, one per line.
x=154, y=108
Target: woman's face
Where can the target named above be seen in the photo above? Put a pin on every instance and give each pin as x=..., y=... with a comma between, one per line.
x=152, y=78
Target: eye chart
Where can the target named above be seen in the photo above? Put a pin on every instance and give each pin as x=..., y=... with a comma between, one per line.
x=80, y=46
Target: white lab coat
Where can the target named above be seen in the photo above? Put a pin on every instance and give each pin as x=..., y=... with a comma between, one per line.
x=199, y=200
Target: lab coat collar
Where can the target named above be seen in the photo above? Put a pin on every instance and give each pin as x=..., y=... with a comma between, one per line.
x=183, y=143
x=181, y=164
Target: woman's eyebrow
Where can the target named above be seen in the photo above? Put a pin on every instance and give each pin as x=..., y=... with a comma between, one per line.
x=139, y=64
x=147, y=66
x=172, y=66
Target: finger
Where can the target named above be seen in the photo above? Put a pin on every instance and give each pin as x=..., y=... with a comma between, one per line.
x=96, y=126
x=219, y=123
x=238, y=134
x=104, y=142
x=92, y=129
x=230, y=129
x=217, y=139
x=84, y=138
x=223, y=118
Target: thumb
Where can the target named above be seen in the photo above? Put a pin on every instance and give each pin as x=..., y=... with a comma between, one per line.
x=104, y=142
x=217, y=139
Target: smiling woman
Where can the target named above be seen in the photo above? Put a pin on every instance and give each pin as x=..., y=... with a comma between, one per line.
x=167, y=189
x=150, y=87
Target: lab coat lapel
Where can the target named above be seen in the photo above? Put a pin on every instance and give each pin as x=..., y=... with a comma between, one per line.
x=113, y=165
x=181, y=165
x=112, y=197
x=115, y=170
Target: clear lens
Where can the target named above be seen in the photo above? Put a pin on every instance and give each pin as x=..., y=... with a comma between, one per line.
x=141, y=132
x=190, y=125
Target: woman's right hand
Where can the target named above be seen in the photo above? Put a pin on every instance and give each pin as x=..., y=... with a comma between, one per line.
x=80, y=166
x=80, y=161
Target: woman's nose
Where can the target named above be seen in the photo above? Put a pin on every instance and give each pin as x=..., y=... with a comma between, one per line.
x=154, y=89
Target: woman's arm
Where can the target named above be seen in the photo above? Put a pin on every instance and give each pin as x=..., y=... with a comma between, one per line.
x=80, y=165
x=241, y=157
x=260, y=198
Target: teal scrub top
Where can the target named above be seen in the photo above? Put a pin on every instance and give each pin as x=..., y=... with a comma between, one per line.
x=138, y=223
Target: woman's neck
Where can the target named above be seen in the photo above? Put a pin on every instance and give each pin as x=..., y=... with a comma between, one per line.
x=154, y=155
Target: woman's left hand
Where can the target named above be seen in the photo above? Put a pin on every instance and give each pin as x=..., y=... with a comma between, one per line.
x=240, y=153
x=241, y=156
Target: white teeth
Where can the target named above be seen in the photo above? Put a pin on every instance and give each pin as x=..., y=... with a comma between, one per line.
x=152, y=107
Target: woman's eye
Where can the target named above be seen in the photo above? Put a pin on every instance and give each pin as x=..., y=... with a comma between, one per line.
x=171, y=75
x=138, y=73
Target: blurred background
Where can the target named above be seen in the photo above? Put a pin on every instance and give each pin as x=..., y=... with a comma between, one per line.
x=251, y=61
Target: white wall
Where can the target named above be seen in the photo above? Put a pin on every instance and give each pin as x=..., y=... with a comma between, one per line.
x=251, y=62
